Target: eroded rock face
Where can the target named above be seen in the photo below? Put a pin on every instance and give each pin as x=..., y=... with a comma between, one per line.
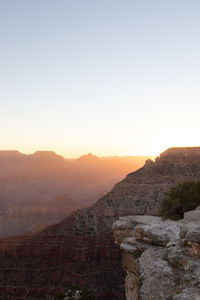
x=81, y=249
x=140, y=193
x=161, y=258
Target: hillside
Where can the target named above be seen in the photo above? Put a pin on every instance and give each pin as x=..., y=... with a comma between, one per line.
x=81, y=249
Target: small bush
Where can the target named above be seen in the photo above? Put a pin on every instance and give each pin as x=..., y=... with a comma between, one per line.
x=182, y=197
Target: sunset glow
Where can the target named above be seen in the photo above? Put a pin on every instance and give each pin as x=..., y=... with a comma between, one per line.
x=100, y=149
x=107, y=77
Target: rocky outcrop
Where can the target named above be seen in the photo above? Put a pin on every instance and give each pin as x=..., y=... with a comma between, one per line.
x=81, y=249
x=181, y=155
x=161, y=258
x=141, y=192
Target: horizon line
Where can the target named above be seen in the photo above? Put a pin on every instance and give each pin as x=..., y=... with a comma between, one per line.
x=59, y=153
x=78, y=156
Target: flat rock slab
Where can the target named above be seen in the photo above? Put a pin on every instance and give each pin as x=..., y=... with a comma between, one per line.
x=192, y=216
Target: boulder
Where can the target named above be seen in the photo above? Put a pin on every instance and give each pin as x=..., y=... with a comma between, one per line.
x=161, y=258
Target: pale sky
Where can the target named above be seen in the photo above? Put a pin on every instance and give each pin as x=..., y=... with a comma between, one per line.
x=111, y=77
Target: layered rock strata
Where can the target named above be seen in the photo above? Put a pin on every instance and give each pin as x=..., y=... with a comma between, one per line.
x=161, y=258
x=81, y=249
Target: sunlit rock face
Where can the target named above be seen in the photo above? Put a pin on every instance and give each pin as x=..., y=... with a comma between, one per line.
x=141, y=191
x=161, y=258
x=81, y=249
x=181, y=155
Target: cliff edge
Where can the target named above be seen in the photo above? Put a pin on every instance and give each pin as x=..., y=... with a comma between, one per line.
x=81, y=250
x=161, y=258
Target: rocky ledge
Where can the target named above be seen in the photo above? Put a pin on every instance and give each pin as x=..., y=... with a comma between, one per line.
x=161, y=258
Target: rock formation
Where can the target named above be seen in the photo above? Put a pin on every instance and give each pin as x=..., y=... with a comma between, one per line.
x=141, y=191
x=29, y=183
x=81, y=249
x=161, y=258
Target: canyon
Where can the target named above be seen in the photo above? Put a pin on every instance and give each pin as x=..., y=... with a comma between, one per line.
x=43, y=188
x=81, y=249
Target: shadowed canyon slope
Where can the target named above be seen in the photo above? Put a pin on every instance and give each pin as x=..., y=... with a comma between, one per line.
x=31, y=186
x=81, y=250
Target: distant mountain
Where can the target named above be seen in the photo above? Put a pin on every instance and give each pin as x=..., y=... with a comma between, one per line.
x=87, y=158
x=29, y=185
x=47, y=157
x=81, y=250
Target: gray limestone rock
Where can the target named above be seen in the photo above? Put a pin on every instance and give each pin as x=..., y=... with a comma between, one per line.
x=161, y=258
x=192, y=216
x=192, y=232
x=158, y=233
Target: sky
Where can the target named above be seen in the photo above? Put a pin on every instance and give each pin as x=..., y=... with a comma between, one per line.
x=111, y=77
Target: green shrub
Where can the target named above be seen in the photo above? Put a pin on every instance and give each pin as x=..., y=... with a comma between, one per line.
x=182, y=197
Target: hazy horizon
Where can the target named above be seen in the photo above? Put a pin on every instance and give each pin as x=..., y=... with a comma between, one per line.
x=94, y=95
x=94, y=154
x=75, y=157
x=44, y=188
x=107, y=77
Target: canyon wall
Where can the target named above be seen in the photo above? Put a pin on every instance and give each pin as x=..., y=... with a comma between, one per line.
x=81, y=249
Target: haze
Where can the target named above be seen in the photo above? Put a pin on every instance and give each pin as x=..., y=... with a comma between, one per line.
x=107, y=77
x=44, y=188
